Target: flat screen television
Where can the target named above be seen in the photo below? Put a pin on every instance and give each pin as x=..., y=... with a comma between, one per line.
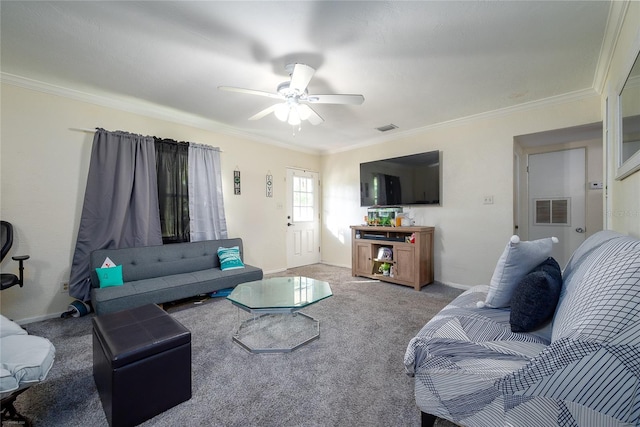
x=401, y=181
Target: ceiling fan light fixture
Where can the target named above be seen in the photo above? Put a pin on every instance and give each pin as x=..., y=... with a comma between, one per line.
x=304, y=112
x=294, y=116
x=281, y=111
x=294, y=95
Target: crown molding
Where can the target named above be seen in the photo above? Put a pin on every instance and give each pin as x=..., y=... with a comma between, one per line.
x=527, y=106
x=155, y=111
x=147, y=109
x=130, y=105
x=615, y=20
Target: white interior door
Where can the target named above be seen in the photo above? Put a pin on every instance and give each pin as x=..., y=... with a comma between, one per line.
x=303, y=218
x=557, y=187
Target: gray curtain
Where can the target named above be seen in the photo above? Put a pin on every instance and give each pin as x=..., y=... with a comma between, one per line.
x=206, y=204
x=120, y=202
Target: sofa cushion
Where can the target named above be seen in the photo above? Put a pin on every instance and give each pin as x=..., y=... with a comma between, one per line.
x=517, y=259
x=579, y=259
x=597, y=305
x=460, y=353
x=535, y=298
x=159, y=290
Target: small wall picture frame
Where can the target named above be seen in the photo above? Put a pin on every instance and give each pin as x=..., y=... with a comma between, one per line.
x=236, y=182
x=269, y=184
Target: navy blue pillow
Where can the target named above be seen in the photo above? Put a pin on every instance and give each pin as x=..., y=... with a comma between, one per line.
x=536, y=296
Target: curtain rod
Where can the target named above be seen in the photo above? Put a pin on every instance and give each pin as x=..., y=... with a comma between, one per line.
x=94, y=130
x=83, y=130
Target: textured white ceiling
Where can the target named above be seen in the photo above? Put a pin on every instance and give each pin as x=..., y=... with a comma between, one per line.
x=416, y=63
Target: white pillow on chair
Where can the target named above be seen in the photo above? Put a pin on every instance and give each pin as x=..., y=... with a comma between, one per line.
x=9, y=327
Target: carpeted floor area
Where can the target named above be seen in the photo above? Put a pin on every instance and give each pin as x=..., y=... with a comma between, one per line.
x=352, y=375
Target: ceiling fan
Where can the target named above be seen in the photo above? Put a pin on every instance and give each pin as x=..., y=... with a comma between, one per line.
x=295, y=98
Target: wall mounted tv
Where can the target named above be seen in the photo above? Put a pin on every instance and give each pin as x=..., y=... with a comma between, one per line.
x=400, y=181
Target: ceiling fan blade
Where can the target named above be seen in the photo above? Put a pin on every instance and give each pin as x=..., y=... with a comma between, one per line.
x=307, y=113
x=335, y=99
x=250, y=91
x=301, y=77
x=263, y=113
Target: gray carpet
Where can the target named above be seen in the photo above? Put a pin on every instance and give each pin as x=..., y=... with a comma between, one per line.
x=352, y=376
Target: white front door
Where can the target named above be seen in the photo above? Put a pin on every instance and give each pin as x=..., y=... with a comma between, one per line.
x=557, y=183
x=303, y=218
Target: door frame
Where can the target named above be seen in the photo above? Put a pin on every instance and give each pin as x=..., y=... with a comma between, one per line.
x=573, y=226
x=524, y=208
x=288, y=213
x=587, y=136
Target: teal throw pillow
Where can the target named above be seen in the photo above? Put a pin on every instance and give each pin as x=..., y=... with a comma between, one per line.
x=111, y=276
x=230, y=258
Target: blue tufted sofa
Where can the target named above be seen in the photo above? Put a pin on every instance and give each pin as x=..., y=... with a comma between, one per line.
x=582, y=369
x=159, y=274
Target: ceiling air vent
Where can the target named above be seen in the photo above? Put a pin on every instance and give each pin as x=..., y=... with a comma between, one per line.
x=387, y=128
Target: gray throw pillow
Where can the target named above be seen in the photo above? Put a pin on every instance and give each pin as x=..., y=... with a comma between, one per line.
x=535, y=298
x=516, y=261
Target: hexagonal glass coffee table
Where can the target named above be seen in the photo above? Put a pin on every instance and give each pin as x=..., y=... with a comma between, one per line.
x=276, y=325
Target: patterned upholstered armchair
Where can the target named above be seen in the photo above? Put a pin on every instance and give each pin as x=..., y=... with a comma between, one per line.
x=581, y=369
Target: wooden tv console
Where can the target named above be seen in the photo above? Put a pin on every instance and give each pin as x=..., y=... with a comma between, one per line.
x=412, y=262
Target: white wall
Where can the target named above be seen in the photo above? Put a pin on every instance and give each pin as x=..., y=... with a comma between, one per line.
x=623, y=206
x=477, y=160
x=43, y=174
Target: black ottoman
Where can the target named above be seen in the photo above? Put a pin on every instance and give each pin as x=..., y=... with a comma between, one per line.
x=141, y=363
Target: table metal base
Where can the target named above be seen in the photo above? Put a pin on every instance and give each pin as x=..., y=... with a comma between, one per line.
x=279, y=332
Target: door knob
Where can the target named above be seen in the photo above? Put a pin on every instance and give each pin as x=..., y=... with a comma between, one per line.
x=579, y=230
x=289, y=224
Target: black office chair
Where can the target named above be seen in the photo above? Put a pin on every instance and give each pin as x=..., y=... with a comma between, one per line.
x=9, y=280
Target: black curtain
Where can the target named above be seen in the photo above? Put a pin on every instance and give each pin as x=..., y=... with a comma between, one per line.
x=172, y=166
x=120, y=202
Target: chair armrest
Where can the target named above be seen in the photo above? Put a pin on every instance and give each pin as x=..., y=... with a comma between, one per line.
x=20, y=257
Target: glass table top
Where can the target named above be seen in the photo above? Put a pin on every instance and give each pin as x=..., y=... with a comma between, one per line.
x=280, y=293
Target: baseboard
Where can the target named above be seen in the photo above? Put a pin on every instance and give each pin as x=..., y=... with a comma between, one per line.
x=457, y=285
x=335, y=265
x=280, y=270
x=38, y=318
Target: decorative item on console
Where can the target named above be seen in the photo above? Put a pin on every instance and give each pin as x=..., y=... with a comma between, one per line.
x=384, y=216
x=385, y=254
x=385, y=268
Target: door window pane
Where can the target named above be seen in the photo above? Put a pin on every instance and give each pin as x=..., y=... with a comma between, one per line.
x=302, y=199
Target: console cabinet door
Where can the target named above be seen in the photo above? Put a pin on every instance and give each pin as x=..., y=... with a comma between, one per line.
x=362, y=258
x=404, y=267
